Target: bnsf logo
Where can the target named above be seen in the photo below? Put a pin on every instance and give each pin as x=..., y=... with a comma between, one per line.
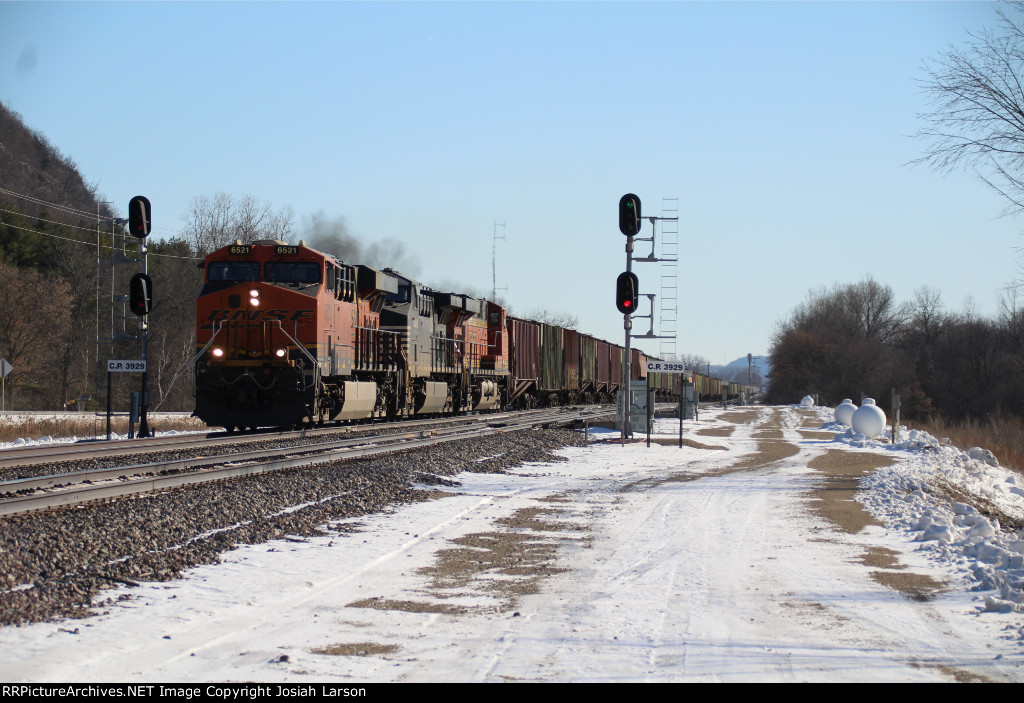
x=255, y=316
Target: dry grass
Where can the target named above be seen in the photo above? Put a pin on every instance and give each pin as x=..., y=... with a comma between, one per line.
x=1004, y=437
x=77, y=426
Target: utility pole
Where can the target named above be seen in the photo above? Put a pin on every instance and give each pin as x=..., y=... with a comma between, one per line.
x=94, y=368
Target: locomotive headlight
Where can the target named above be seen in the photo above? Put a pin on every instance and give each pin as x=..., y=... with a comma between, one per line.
x=280, y=353
x=254, y=297
x=217, y=352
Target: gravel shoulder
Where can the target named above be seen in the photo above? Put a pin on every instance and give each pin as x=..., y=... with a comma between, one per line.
x=58, y=564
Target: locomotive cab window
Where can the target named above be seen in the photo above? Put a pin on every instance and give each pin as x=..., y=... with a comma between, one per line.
x=401, y=297
x=224, y=274
x=293, y=272
x=233, y=271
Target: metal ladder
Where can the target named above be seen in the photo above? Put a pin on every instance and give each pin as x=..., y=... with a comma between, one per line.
x=669, y=314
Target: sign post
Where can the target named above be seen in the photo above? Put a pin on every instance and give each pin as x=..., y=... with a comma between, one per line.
x=650, y=410
x=673, y=367
x=5, y=368
x=894, y=437
x=121, y=366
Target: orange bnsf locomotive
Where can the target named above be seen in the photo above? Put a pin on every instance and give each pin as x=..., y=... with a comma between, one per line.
x=287, y=335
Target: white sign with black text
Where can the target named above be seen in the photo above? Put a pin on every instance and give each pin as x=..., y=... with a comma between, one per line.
x=665, y=367
x=115, y=366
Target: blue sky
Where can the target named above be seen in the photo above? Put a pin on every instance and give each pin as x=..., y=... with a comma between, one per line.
x=782, y=128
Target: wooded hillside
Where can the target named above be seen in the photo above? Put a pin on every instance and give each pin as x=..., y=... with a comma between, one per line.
x=64, y=270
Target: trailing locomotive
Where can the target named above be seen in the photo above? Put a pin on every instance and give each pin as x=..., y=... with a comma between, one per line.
x=290, y=336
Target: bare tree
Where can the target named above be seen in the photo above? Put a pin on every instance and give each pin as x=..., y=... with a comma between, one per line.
x=71, y=342
x=31, y=308
x=208, y=223
x=172, y=325
x=977, y=120
x=211, y=223
x=925, y=314
x=694, y=362
x=564, y=320
x=839, y=342
x=874, y=307
x=255, y=220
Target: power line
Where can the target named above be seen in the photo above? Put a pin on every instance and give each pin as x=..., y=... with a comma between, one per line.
x=90, y=230
x=81, y=213
x=90, y=244
x=55, y=206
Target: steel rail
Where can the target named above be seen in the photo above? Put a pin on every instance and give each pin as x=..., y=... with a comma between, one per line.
x=176, y=473
x=83, y=450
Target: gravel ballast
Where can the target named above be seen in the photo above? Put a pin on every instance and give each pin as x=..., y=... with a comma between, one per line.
x=56, y=564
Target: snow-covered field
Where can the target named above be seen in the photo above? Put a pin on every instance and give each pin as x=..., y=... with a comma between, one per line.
x=622, y=563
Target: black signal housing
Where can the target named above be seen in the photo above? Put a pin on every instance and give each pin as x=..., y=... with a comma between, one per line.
x=140, y=294
x=627, y=292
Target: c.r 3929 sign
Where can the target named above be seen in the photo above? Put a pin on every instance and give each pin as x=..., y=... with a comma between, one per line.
x=125, y=366
x=665, y=367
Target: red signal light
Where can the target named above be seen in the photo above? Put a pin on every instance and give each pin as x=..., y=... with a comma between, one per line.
x=626, y=292
x=140, y=294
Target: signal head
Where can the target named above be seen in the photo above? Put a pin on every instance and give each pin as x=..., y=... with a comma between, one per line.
x=140, y=217
x=629, y=215
x=627, y=292
x=140, y=294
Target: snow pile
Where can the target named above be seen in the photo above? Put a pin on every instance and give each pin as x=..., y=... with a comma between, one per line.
x=954, y=503
x=25, y=442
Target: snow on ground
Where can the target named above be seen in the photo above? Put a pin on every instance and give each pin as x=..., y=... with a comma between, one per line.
x=622, y=563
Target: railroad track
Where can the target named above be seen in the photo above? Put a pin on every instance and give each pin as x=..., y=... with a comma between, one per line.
x=105, y=449
x=49, y=491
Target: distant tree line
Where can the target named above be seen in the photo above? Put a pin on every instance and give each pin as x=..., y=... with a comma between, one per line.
x=856, y=340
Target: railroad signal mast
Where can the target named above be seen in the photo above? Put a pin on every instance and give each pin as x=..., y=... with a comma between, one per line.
x=140, y=289
x=627, y=288
x=626, y=291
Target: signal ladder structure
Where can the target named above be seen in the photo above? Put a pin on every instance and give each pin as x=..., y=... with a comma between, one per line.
x=669, y=316
x=669, y=224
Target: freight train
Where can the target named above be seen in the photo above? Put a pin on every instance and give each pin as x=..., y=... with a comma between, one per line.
x=289, y=336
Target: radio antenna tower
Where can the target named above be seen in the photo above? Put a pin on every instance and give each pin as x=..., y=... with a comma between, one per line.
x=494, y=259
